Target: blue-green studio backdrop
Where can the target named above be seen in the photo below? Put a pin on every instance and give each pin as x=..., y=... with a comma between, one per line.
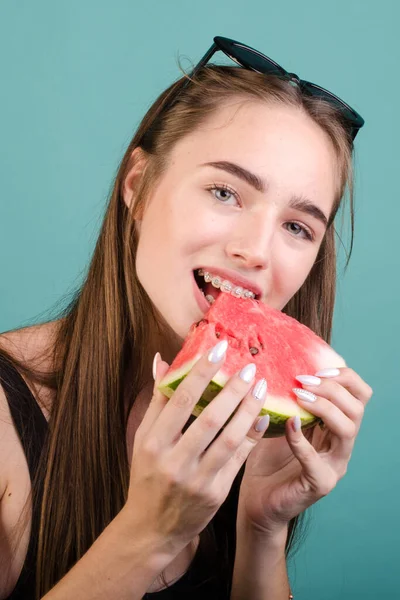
x=77, y=76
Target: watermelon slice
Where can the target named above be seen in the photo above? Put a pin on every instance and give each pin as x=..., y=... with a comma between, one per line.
x=279, y=345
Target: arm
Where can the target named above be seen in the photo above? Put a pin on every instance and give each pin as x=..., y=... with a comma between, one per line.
x=260, y=567
x=115, y=566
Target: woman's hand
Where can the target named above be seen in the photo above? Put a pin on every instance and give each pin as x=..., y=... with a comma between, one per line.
x=284, y=476
x=179, y=480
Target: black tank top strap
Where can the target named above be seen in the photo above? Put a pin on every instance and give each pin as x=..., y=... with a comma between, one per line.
x=32, y=428
x=29, y=420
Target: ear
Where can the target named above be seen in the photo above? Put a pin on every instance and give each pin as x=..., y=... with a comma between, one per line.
x=137, y=162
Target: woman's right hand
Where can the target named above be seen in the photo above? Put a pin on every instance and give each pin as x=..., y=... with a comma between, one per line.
x=178, y=481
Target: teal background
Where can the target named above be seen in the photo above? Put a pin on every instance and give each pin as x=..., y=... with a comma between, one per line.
x=76, y=78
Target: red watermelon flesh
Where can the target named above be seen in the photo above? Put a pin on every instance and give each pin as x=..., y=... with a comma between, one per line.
x=279, y=345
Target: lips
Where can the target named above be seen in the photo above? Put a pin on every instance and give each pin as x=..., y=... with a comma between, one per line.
x=204, y=305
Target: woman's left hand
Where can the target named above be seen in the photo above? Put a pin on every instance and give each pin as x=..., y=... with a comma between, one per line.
x=284, y=476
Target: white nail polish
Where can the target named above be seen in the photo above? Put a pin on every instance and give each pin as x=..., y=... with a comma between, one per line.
x=262, y=423
x=297, y=423
x=155, y=364
x=260, y=389
x=308, y=379
x=305, y=395
x=328, y=373
x=248, y=372
x=218, y=351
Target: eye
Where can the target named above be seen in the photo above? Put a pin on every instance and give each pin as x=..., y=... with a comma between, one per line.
x=226, y=193
x=307, y=232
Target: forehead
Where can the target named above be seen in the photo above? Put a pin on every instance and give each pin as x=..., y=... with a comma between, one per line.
x=281, y=144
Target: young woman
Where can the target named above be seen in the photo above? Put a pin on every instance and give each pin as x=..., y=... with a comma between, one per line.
x=108, y=490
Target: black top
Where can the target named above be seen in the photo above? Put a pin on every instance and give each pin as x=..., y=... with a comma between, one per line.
x=204, y=577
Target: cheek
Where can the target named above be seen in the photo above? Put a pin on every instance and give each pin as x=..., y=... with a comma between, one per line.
x=194, y=222
x=289, y=271
x=173, y=228
x=180, y=211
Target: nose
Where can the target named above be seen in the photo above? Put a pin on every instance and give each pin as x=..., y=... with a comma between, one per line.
x=250, y=244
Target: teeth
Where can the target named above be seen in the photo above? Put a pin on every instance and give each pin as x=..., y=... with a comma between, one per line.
x=225, y=286
x=210, y=298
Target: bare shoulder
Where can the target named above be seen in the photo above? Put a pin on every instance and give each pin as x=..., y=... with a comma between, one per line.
x=24, y=344
x=29, y=342
x=14, y=490
x=6, y=427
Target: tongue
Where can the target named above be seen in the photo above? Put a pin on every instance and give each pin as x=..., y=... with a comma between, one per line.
x=210, y=289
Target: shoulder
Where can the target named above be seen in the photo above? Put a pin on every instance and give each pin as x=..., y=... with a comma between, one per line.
x=5, y=431
x=24, y=344
x=29, y=342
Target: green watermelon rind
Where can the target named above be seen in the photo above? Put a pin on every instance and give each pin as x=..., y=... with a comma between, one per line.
x=276, y=427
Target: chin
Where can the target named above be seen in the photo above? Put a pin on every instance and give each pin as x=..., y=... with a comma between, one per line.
x=179, y=329
x=174, y=323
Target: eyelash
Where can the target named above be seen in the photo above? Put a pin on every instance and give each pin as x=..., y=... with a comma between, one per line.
x=307, y=232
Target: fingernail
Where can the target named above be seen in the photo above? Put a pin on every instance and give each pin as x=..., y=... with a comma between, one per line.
x=260, y=389
x=297, y=423
x=155, y=361
x=262, y=423
x=328, y=373
x=248, y=372
x=218, y=351
x=308, y=379
x=305, y=395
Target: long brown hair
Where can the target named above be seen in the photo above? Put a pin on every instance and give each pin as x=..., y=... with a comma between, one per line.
x=109, y=331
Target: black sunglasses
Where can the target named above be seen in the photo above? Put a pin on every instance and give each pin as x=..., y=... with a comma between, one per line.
x=255, y=61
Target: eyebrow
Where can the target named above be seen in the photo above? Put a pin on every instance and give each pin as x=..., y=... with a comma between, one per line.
x=300, y=203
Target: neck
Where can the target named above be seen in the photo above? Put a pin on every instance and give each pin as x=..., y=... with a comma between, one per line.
x=168, y=345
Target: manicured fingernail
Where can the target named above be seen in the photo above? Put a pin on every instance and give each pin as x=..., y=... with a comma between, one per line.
x=297, y=423
x=305, y=395
x=328, y=373
x=248, y=372
x=260, y=389
x=308, y=379
x=262, y=423
x=218, y=351
x=155, y=361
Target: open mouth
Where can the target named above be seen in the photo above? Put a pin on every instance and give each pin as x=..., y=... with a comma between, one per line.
x=206, y=287
x=210, y=291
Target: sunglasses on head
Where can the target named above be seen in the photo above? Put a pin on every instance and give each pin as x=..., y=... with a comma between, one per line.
x=255, y=61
